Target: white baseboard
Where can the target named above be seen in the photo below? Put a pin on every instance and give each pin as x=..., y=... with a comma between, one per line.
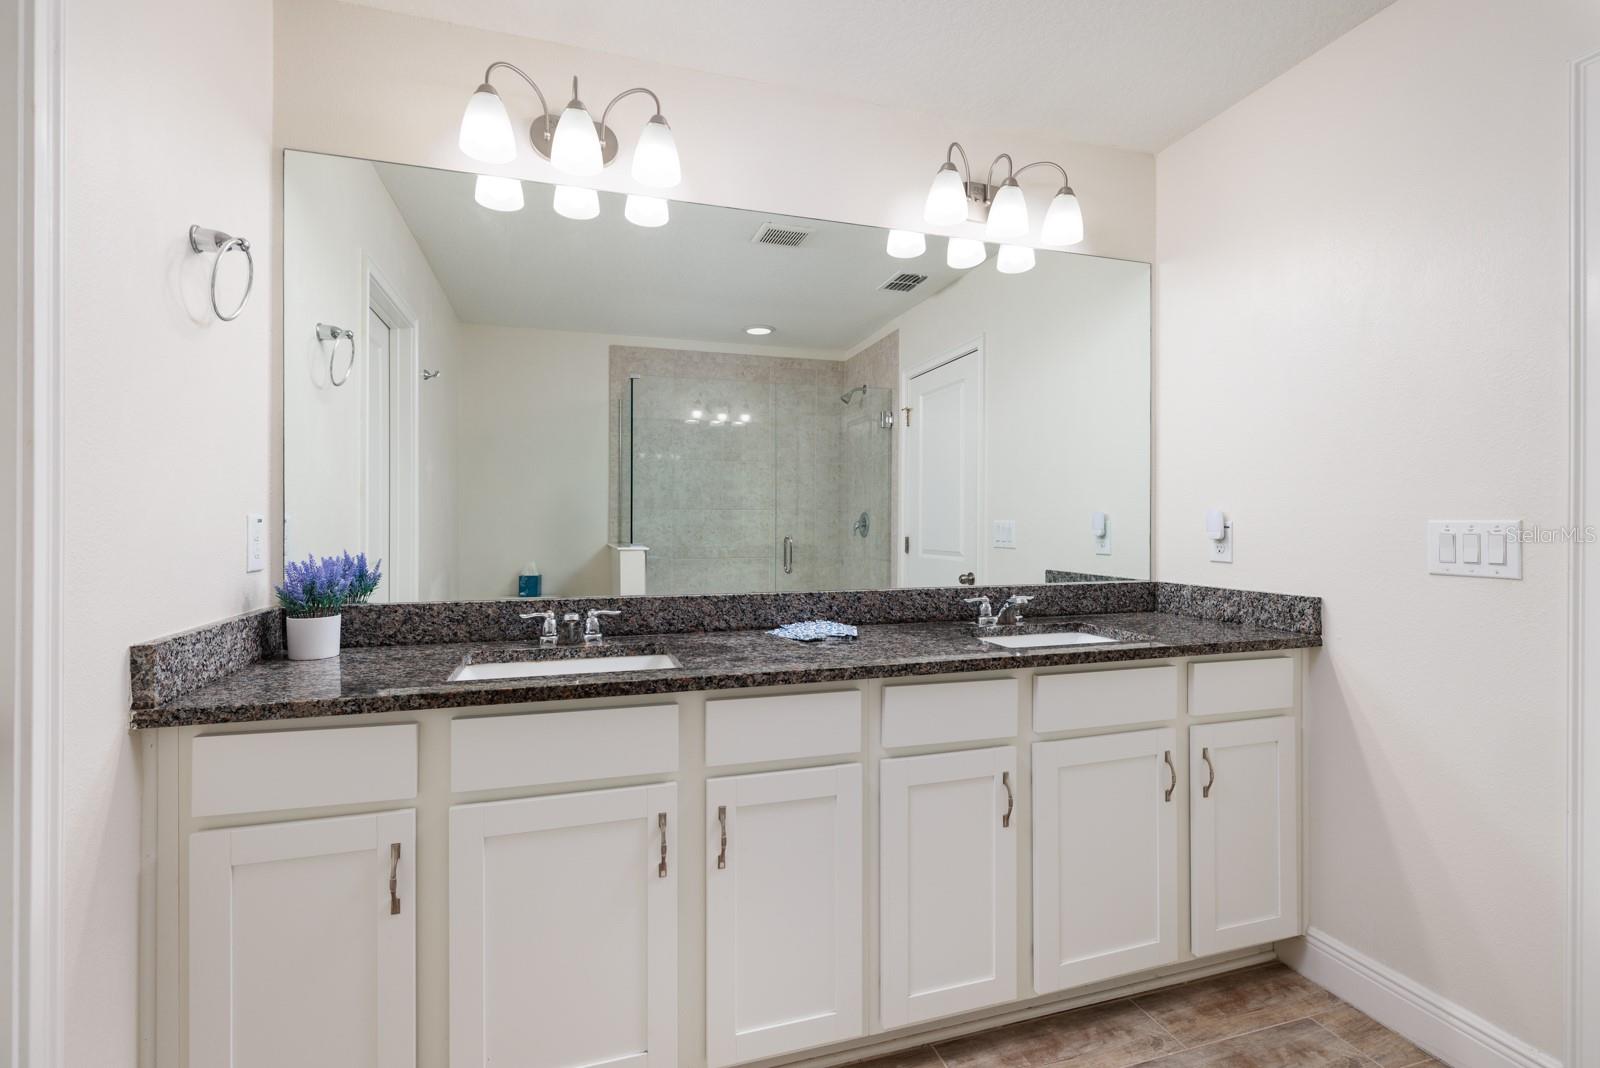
x=1460, y=1038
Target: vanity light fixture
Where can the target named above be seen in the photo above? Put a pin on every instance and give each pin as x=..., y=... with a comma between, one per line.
x=954, y=198
x=574, y=143
x=907, y=244
x=758, y=331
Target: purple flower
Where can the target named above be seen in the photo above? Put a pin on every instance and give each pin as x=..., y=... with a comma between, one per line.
x=322, y=588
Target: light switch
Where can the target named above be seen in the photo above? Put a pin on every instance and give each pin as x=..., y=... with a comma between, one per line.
x=1478, y=548
x=1005, y=534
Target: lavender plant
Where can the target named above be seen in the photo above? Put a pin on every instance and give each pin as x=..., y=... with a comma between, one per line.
x=322, y=588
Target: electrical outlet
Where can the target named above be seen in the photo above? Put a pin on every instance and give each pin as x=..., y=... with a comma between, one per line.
x=255, y=542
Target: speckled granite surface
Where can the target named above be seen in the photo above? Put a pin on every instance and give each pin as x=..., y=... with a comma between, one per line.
x=1052, y=575
x=384, y=678
x=1280, y=611
x=164, y=668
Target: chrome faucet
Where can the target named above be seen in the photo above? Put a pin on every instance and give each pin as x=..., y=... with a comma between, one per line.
x=591, y=625
x=1011, y=611
x=986, y=616
x=547, y=633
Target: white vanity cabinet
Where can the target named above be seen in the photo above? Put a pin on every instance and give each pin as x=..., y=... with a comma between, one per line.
x=564, y=930
x=948, y=863
x=302, y=944
x=1105, y=857
x=1244, y=832
x=784, y=908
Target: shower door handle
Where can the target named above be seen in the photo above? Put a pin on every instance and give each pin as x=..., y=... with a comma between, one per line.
x=788, y=555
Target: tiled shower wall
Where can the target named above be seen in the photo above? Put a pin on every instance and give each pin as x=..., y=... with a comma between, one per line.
x=715, y=503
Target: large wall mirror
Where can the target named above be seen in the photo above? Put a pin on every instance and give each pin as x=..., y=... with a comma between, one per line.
x=504, y=401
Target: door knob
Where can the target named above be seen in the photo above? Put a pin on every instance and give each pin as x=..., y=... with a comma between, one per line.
x=967, y=579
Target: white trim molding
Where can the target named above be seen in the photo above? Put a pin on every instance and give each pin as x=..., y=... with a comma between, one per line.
x=1583, y=1000
x=1448, y=1031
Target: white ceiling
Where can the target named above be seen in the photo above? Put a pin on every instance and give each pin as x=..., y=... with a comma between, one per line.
x=698, y=278
x=1132, y=73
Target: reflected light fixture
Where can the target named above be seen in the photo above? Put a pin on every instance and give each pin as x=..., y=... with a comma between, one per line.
x=758, y=331
x=965, y=252
x=907, y=244
x=955, y=198
x=576, y=202
x=573, y=142
x=1014, y=259
x=498, y=194
x=645, y=211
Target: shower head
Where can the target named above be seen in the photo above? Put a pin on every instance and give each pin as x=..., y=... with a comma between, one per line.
x=859, y=389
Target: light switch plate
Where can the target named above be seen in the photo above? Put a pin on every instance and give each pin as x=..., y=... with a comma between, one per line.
x=255, y=542
x=1496, y=545
x=1005, y=534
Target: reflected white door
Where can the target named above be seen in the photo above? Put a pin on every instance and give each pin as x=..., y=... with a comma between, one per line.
x=944, y=461
x=379, y=469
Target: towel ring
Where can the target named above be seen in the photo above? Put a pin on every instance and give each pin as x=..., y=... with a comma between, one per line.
x=337, y=334
x=204, y=240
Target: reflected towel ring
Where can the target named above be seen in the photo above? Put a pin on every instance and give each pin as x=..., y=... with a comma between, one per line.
x=203, y=240
x=337, y=334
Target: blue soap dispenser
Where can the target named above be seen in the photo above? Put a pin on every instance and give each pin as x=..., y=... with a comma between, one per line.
x=530, y=583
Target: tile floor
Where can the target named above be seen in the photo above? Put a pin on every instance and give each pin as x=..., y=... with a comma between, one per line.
x=1261, y=1017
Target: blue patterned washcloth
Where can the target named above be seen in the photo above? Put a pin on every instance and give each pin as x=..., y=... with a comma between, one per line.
x=815, y=631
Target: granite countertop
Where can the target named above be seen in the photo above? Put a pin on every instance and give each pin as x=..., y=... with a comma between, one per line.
x=392, y=678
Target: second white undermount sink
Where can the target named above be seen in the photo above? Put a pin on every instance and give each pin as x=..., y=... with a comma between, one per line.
x=592, y=665
x=1043, y=641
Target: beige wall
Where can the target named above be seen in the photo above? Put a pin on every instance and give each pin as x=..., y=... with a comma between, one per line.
x=1363, y=271
x=167, y=415
x=393, y=87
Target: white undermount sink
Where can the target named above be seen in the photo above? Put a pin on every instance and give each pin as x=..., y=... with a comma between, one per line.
x=594, y=665
x=1038, y=641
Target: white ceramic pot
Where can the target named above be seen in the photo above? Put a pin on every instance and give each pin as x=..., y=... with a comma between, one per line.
x=316, y=638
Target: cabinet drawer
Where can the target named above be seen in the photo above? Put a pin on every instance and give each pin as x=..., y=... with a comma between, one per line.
x=1112, y=698
x=493, y=752
x=938, y=713
x=744, y=730
x=234, y=773
x=1220, y=687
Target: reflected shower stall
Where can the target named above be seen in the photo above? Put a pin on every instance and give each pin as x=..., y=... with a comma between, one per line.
x=754, y=487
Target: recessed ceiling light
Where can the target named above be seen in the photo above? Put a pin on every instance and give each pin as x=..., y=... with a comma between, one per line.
x=758, y=331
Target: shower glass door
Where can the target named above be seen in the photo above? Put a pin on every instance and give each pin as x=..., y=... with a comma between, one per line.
x=754, y=487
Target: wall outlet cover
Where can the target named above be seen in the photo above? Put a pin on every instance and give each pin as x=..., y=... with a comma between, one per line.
x=1475, y=548
x=255, y=542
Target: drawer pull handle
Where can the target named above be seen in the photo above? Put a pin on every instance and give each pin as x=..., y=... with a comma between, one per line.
x=394, y=878
x=1011, y=800
x=661, y=824
x=1205, y=754
x=1172, y=784
x=722, y=823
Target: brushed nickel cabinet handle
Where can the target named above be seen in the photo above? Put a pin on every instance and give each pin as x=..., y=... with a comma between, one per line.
x=394, y=878
x=661, y=825
x=1205, y=754
x=1173, y=783
x=1011, y=800
x=722, y=823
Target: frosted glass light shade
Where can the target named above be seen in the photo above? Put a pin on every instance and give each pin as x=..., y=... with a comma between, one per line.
x=1014, y=259
x=947, y=198
x=655, y=159
x=575, y=146
x=645, y=211
x=965, y=252
x=486, y=133
x=1063, y=221
x=498, y=194
x=576, y=202
x=906, y=244
x=1008, y=215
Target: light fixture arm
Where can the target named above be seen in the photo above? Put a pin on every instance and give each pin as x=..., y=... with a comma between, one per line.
x=1066, y=183
x=544, y=107
x=656, y=100
x=1011, y=169
x=966, y=165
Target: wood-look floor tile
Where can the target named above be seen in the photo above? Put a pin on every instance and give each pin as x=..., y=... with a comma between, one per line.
x=1301, y=1044
x=1114, y=1035
x=916, y=1057
x=1231, y=1004
x=1371, y=1037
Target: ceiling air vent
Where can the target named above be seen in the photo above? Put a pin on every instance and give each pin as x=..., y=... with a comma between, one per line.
x=787, y=236
x=904, y=283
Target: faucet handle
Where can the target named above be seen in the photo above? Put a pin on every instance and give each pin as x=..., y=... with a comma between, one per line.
x=591, y=625
x=548, y=631
x=1019, y=598
x=986, y=616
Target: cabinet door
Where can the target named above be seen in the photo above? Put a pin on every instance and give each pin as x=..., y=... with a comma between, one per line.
x=949, y=875
x=1244, y=834
x=302, y=944
x=564, y=930
x=1105, y=857
x=783, y=912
